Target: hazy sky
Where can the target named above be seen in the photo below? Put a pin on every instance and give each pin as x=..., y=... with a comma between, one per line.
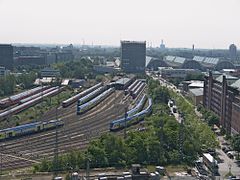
x=180, y=23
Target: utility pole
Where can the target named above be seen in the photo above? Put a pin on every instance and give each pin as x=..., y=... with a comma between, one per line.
x=88, y=167
x=125, y=123
x=181, y=134
x=56, y=140
x=1, y=161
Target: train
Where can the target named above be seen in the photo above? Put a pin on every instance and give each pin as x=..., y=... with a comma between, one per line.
x=28, y=104
x=135, y=88
x=37, y=95
x=29, y=129
x=15, y=99
x=88, y=105
x=138, y=90
x=138, y=107
x=121, y=123
x=75, y=98
x=91, y=95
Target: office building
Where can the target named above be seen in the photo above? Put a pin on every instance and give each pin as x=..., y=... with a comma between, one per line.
x=222, y=96
x=6, y=56
x=133, y=56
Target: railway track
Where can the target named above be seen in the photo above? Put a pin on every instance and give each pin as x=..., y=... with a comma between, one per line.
x=75, y=134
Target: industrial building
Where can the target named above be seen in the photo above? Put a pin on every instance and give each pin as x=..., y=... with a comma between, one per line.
x=6, y=56
x=222, y=96
x=198, y=62
x=133, y=56
x=196, y=95
x=177, y=73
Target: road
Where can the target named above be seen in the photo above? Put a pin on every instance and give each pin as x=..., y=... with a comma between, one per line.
x=228, y=164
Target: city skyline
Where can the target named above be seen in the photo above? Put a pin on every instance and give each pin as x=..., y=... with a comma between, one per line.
x=207, y=25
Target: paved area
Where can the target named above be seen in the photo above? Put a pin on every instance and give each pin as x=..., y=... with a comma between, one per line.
x=227, y=164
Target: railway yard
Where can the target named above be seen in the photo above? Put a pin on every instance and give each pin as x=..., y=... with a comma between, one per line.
x=76, y=132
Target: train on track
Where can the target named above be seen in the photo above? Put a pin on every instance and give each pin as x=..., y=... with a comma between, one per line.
x=29, y=129
x=15, y=99
x=138, y=107
x=135, y=88
x=129, y=120
x=36, y=95
x=90, y=104
x=28, y=104
x=91, y=95
x=75, y=98
x=138, y=90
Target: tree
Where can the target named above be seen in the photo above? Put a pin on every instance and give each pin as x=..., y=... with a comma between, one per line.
x=236, y=144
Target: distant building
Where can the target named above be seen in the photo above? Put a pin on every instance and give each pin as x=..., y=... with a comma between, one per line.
x=3, y=71
x=29, y=60
x=196, y=95
x=6, y=56
x=177, y=73
x=162, y=46
x=198, y=62
x=133, y=56
x=49, y=72
x=233, y=52
x=105, y=69
x=64, y=56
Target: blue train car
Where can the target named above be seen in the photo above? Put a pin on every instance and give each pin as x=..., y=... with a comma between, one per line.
x=121, y=123
x=88, y=105
x=29, y=129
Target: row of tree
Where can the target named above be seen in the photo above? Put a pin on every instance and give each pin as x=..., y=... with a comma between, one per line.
x=75, y=69
x=8, y=83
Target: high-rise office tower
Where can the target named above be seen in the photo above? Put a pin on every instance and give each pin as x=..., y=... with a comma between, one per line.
x=133, y=56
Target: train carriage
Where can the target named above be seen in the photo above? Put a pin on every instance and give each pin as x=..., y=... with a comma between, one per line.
x=91, y=95
x=120, y=123
x=85, y=107
x=75, y=98
x=29, y=129
x=138, y=107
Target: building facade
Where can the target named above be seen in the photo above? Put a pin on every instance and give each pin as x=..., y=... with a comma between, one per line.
x=6, y=56
x=133, y=56
x=29, y=60
x=3, y=71
x=224, y=100
x=49, y=72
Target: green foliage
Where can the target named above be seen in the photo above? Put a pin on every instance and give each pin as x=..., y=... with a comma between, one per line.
x=26, y=80
x=7, y=85
x=236, y=144
x=209, y=117
x=200, y=133
x=159, y=94
x=75, y=69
